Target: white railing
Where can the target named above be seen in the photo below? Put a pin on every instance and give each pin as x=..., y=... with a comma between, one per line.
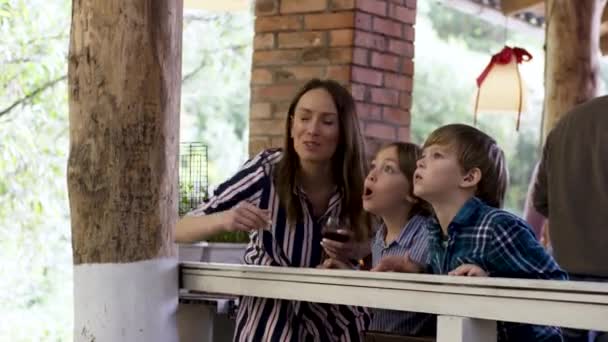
x=467, y=308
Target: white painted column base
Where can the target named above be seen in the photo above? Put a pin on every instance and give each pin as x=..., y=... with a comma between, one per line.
x=126, y=302
x=462, y=329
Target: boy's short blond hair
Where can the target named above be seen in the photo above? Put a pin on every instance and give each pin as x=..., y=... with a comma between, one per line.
x=476, y=149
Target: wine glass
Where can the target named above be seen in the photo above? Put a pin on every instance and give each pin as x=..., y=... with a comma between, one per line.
x=331, y=227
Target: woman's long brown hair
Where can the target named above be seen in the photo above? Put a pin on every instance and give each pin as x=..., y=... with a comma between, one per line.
x=348, y=165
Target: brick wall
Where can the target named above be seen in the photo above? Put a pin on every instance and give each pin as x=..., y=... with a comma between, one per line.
x=365, y=44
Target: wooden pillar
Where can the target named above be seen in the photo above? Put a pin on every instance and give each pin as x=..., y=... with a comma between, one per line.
x=124, y=97
x=366, y=45
x=572, y=55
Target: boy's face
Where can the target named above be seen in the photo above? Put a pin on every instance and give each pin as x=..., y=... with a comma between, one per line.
x=438, y=175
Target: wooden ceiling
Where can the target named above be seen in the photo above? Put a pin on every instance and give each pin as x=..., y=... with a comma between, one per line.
x=537, y=7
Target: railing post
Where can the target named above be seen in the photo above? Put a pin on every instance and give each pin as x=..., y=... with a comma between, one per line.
x=463, y=329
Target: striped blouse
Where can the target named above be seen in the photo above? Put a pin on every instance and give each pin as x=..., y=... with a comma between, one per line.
x=267, y=319
x=412, y=240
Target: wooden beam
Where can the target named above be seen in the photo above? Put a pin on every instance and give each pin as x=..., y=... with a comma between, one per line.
x=511, y=7
x=495, y=17
x=218, y=6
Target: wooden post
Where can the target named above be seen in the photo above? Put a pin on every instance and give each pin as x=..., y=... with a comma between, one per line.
x=572, y=55
x=124, y=96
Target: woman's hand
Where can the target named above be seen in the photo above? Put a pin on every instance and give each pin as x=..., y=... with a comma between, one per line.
x=350, y=250
x=245, y=217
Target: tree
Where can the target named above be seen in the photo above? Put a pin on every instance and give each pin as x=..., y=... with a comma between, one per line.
x=573, y=52
x=124, y=96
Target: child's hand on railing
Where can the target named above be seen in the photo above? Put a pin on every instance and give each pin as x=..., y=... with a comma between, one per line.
x=398, y=263
x=335, y=264
x=469, y=270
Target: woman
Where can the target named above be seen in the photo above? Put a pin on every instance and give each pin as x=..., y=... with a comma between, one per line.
x=283, y=197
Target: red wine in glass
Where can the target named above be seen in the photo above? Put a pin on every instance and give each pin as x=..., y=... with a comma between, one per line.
x=330, y=230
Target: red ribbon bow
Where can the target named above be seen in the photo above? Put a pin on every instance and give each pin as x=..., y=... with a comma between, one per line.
x=504, y=57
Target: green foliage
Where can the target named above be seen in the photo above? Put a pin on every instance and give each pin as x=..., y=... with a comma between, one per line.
x=217, y=52
x=35, y=256
x=444, y=86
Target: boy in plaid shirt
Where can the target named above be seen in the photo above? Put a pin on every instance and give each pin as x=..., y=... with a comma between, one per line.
x=462, y=174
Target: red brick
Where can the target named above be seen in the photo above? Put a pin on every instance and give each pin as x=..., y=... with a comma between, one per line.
x=301, y=39
x=367, y=76
x=370, y=40
x=398, y=2
x=363, y=21
x=340, y=55
x=266, y=127
x=326, y=21
x=397, y=82
x=260, y=110
x=273, y=92
x=361, y=56
x=278, y=23
x=342, y=4
x=275, y=57
x=359, y=91
x=322, y=55
x=380, y=130
x=405, y=100
x=409, y=33
x=384, y=96
x=257, y=144
x=263, y=41
x=303, y=6
x=298, y=73
x=395, y=115
x=281, y=109
x=401, y=48
x=261, y=76
x=341, y=38
x=403, y=133
x=385, y=61
x=387, y=27
x=277, y=141
x=339, y=72
x=407, y=67
x=372, y=6
x=402, y=14
x=411, y=3
x=266, y=7
x=368, y=111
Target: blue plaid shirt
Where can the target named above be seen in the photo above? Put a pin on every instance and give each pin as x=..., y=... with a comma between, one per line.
x=504, y=246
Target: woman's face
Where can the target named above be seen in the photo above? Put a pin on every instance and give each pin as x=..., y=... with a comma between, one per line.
x=315, y=128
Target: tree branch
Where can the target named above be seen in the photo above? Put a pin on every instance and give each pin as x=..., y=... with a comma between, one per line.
x=187, y=77
x=52, y=83
x=32, y=94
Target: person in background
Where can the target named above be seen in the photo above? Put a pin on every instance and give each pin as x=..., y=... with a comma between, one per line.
x=572, y=192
